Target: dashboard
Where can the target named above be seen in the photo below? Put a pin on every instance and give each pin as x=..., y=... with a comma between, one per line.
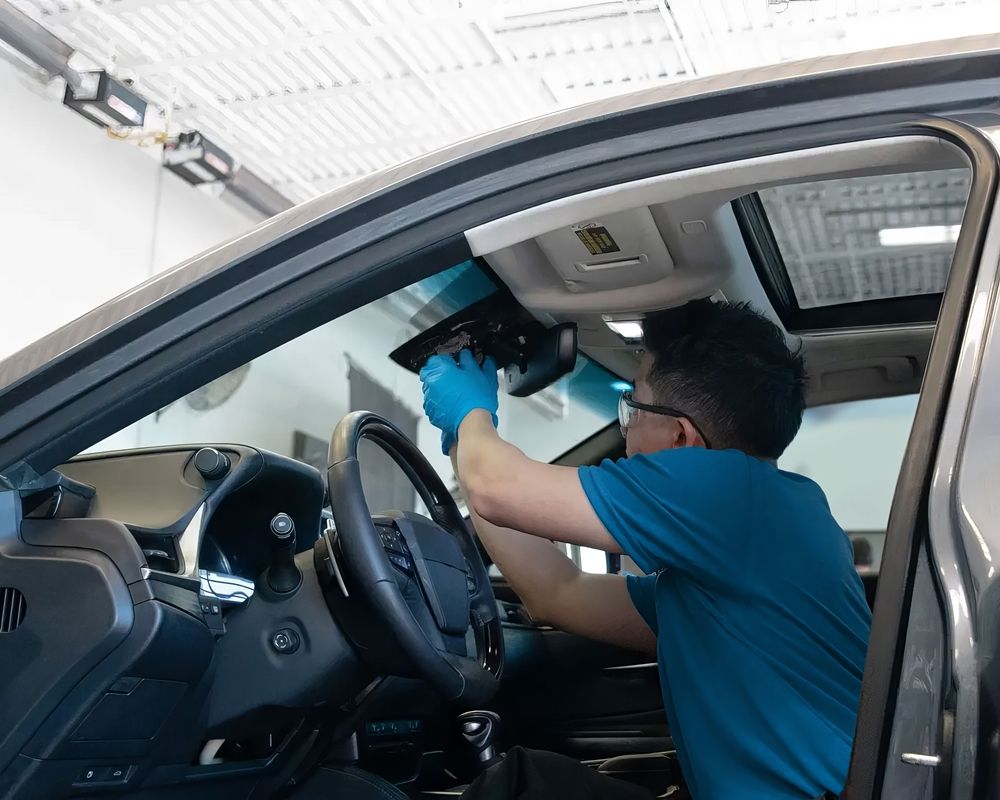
x=202, y=508
x=160, y=652
x=158, y=633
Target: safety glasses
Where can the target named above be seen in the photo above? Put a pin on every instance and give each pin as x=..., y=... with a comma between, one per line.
x=628, y=410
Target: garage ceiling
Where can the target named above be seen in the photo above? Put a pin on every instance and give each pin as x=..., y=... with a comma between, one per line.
x=310, y=94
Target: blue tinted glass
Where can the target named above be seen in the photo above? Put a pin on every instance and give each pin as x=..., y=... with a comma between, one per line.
x=593, y=386
x=452, y=290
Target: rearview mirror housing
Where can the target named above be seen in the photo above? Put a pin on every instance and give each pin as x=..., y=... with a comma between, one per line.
x=551, y=355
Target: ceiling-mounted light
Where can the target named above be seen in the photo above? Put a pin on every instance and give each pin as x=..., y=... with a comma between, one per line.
x=628, y=329
x=106, y=102
x=926, y=234
x=197, y=160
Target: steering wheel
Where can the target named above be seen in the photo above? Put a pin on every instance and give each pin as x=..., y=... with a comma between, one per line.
x=415, y=587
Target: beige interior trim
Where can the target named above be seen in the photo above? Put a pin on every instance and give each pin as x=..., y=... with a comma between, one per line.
x=683, y=225
x=530, y=249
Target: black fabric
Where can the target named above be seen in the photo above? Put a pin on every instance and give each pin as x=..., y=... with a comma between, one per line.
x=347, y=783
x=538, y=775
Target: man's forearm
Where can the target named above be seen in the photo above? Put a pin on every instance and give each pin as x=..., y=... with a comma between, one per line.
x=556, y=591
x=533, y=566
x=511, y=490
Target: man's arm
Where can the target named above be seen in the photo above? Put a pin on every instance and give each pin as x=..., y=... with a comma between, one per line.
x=557, y=592
x=510, y=490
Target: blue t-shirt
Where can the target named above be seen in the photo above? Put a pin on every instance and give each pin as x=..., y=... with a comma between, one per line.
x=761, y=620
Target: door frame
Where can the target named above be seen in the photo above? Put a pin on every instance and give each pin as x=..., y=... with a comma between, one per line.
x=371, y=248
x=908, y=519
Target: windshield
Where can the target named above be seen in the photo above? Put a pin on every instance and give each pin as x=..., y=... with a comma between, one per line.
x=289, y=400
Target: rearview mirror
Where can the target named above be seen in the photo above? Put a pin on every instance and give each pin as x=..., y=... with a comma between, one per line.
x=549, y=355
x=531, y=355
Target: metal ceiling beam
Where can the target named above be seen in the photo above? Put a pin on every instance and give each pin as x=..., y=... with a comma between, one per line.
x=667, y=15
x=32, y=40
x=256, y=193
x=548, y=19
x=507, y=58
x=52, y=55
x=22, y=63
x=308, y=153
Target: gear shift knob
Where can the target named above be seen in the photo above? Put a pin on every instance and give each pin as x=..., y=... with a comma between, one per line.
x=479, y=729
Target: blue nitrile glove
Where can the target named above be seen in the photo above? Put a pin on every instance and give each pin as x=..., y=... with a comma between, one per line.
x=454, y=388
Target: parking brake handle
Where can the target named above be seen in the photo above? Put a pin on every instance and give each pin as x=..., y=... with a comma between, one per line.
x=283, y=575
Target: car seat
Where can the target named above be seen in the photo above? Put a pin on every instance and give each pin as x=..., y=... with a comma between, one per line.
x=346, y=783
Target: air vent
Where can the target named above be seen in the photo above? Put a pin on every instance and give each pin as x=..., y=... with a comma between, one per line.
x=12, y=608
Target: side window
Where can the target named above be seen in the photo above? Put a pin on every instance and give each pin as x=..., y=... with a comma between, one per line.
x=586, y=558
x=854, y=451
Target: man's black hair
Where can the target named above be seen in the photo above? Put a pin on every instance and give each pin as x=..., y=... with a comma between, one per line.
x=730, y=368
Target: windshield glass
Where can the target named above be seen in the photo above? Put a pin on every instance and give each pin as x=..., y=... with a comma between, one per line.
x=289, y=400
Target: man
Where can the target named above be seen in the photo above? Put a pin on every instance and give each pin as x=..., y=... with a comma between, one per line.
x=751, y=600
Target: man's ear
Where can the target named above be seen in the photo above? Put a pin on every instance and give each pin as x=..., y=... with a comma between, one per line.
x=686, y=434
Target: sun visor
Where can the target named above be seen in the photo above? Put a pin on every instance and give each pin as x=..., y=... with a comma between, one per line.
x=613, y=251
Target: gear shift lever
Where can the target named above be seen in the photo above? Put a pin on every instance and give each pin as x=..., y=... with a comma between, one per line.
x=479, y=729
x=283, y=576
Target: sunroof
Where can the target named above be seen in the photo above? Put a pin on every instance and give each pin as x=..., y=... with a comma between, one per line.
x=862, y=239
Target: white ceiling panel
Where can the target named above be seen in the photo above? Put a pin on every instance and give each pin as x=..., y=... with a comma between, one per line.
x=313, y=93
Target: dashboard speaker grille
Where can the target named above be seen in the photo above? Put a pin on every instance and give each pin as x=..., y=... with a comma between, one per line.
x=12, y=608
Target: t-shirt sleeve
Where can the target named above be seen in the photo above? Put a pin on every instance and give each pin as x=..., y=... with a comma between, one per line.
x=642, y=591
x=686, y=509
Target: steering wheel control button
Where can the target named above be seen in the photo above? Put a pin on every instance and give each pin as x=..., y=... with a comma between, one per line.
x=402, y=562
x=286, y=641
x=210, y=607
x=392, y=540
x=211, y=464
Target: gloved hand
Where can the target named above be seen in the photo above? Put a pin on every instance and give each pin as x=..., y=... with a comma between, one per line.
x=453, y=389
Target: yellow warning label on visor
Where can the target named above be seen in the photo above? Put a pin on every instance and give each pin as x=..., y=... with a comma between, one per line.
x=596, y=239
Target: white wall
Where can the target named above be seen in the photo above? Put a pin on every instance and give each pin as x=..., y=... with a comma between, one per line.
x=84, y=218
x=300, y=386
x=854, y=452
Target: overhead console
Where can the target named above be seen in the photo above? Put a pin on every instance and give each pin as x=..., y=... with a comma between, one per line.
x=614, y=253
x=659, y=242
x=618, y=250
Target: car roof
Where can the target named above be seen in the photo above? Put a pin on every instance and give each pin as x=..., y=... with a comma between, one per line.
x=936, y=60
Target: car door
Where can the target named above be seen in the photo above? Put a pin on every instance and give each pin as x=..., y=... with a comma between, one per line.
x=579, y=697
x=928, y=709
x=315, y=262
